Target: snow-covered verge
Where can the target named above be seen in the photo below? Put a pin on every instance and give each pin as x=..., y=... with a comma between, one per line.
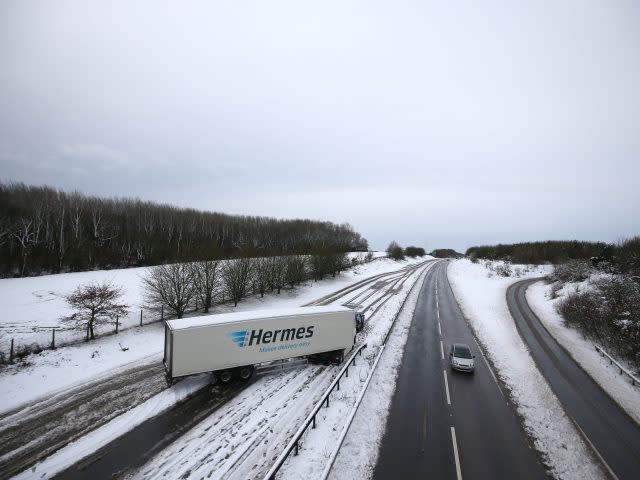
x=582, y=349
x=358, y=455
x=483, y=301
x=55, y=370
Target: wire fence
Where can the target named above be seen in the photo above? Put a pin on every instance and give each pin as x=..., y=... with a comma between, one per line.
x=18, y=341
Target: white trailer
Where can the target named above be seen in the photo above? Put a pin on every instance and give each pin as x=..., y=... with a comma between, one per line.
x=231, y=344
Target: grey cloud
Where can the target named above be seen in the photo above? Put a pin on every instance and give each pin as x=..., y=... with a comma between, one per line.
x=421, y=121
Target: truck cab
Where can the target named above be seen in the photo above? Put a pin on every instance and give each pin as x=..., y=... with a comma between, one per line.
x=359, y=321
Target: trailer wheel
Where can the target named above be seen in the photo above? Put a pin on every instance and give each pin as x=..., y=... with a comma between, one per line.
x=245, y=373
x=225, y=376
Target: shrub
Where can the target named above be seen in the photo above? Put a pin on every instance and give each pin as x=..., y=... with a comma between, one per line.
x=571, y=271
x=395, y=251
x=414, y=252
x=503, y=269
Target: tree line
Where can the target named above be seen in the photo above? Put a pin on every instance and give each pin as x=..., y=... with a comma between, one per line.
x=396, y=252
x=44, y=230
x=552, y=251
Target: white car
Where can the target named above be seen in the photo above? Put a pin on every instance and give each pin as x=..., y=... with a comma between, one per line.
x=460, y=358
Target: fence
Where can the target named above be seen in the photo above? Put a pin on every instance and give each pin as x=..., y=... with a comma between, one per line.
x=311, y=418
x=12, y=348
x=602, y=352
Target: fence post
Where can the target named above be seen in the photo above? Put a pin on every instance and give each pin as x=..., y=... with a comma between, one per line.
x=117, y=323
x=11, y=352
x=53, y=338
x=140, y=317
x=161, y=312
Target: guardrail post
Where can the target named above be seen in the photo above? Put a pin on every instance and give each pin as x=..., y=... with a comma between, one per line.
x=338, y=385
x=140, y=317
x=117, y=323
x=346, y=372
x=327, y=401
x=53, y=338
x=314, y=422
x=296, y=448
x=11, y=352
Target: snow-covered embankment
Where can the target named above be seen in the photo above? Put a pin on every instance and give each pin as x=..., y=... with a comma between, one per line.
x=483, y=301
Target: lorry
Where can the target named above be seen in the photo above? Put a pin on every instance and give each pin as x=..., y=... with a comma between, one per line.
x=230, y=345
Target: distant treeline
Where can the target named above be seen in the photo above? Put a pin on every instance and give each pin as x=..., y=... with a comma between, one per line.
x=623, y=257
x=445, y=253
x=553, y=251
x=46, y=230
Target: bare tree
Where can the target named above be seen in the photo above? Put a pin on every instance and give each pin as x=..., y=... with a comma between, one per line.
x=262, y=275
x=318, y=266
x=277, y=267
x=95, y=304
x=206, y=277
x=171, y=286
x=24, y=233
x=337, y=263
x=237, y=277
x=296, y=270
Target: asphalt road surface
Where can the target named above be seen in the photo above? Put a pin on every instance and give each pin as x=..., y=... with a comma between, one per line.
x=444, y=424
x=612, y=433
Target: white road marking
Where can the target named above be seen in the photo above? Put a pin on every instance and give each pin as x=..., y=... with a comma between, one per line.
x=441, y=350
x=424, y=429
x=439, y=329
x=446, y=387
x=455, y=453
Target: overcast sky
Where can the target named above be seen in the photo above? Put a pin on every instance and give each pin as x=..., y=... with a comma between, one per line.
x=441, y=124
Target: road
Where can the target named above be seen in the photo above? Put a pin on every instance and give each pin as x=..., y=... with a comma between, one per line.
x=196, y=436
x=449, y=425
x=35, y=431
x=614, y=436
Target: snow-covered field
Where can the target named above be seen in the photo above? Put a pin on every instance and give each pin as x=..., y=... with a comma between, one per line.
x=482, y=296
x=33, y=305
x=582, y=349
x=53, y=370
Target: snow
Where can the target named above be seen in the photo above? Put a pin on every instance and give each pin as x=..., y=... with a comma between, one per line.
x=33, y=305
x=54, y=370
x=205, y=320
x=90, y=443
x=483, y=301
x=582, y=350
